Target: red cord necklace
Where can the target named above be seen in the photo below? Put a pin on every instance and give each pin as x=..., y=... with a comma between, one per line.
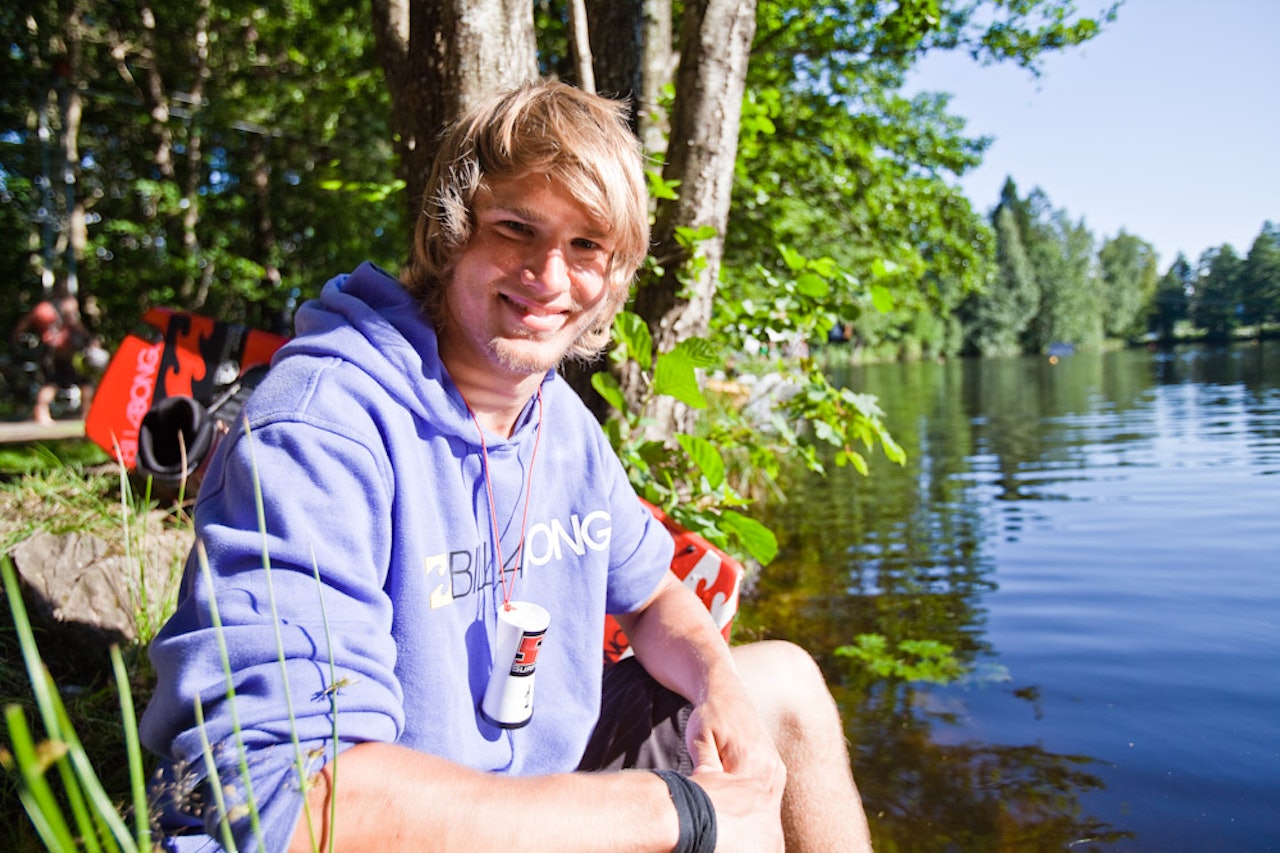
x=507, y=589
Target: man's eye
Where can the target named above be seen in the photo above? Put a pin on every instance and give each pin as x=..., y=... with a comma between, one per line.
x=588, y=245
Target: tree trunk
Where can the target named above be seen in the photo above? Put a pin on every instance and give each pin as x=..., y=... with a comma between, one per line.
x=631, y=45
x=155, y=94
x=72, y=113
x=715, y=44
x=440, y=58
x=156, y=98
x=657, y=70
x=617, y=38
x=195, y=157
x=580, y=46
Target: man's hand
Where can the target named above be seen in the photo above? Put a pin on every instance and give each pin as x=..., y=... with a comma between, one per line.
x=725, y=733
x=748, y=816
x=736, y=763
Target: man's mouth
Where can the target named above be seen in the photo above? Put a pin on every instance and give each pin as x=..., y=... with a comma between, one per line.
x=535, y=317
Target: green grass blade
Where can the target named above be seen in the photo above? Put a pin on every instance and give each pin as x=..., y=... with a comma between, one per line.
x=48, y=702
x=36, y=795
x=137, y=777
x=298, y=762
x=27, y=643
x=215, y=781
x=106, y=819
x=216, y=619
x=333, y=704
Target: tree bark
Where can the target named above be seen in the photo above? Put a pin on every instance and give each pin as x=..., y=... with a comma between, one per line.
x=581, y=43
x=195, y=156
x=633, y=58
x=72, y=114
x=714, y=48
x=442, y=57
x=657, y=70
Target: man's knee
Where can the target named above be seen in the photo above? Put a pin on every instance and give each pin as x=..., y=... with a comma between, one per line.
x=787, y=686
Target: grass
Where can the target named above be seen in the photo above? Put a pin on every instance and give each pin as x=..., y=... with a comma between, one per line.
x=56, y=490
x=85, y=707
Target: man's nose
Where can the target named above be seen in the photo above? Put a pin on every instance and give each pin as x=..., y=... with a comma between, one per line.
x=548, y=269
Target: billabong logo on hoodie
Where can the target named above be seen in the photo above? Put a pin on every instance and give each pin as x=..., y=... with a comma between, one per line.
x=462, y=573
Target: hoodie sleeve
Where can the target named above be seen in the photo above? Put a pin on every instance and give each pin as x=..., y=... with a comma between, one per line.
x=305, y=624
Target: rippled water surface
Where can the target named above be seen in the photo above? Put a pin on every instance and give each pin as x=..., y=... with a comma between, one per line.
x=1099, y=541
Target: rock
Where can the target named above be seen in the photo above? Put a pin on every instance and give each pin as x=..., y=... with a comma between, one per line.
x=83, y=593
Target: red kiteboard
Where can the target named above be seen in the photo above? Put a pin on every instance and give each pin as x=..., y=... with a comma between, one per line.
x=711, y=573
x=196, y=357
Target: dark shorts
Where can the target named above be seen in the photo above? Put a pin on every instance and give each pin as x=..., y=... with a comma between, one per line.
x=642, y=724
x=60, y=369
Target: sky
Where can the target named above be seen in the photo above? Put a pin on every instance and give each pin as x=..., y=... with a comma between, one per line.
x=1166, y=125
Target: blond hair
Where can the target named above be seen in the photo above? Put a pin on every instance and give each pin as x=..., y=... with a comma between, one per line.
x=581, y=141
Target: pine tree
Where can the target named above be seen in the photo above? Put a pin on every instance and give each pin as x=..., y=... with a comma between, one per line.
x=1260, y=278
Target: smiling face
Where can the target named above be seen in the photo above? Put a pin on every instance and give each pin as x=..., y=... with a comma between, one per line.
x=532, y=279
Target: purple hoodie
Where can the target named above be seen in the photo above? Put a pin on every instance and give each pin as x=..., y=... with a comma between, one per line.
x=371, y=477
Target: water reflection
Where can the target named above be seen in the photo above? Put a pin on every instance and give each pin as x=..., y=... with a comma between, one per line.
x=1071, y=462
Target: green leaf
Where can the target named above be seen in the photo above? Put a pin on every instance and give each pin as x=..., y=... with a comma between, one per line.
x=826, y=432
x=608, y=388
x=918, y=660
x=793, y=259
x=854, y=458
x=813, y=286
x=881, y=298
x=689, y=237
x=700, y=352
x=659, y=188
x=758, y=540
x=883, y=268
x=705, y=455
x=632, y=335
x=674, y=376
x=825, y=267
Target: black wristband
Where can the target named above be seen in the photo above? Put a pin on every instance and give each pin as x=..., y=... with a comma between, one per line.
x=694, y=810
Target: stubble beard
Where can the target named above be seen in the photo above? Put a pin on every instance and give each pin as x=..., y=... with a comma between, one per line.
x=511, y=349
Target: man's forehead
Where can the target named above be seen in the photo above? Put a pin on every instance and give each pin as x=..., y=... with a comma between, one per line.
x=521, y=197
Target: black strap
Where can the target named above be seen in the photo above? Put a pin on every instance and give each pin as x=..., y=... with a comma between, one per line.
x=694, y=810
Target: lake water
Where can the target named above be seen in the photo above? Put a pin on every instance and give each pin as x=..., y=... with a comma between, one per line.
x=1099, y=541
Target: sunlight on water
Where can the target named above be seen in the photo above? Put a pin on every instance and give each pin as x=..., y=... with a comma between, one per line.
x=1100, y=539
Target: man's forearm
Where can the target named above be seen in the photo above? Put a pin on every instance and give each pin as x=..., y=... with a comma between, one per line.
x=676, y=641
x=392, y=798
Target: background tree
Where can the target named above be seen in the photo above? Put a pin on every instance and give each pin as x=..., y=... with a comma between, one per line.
x=999, y=316
x=1070, y=303
x=1260, y=278
x=440, y=58
x=1170, y=305
x=1128, y=275
x=1045, y=289
x=229, y=197
x=1215, y=302
x=835, y=163
x=688, y=230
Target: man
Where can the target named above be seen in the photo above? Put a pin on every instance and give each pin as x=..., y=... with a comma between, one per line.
x=422, y=473
x=59, y=332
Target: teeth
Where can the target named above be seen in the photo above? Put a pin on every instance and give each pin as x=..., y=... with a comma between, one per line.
x=532, y=309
